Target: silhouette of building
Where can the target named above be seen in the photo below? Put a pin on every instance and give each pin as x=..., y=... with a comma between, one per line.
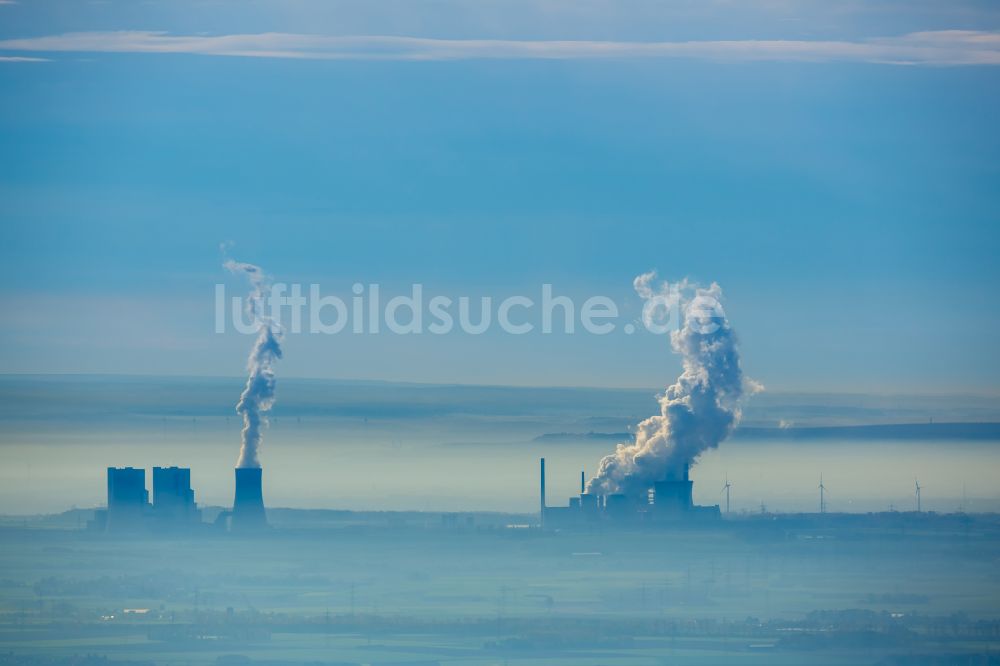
x=173, y=498
x=673, y=494
x=128, y=499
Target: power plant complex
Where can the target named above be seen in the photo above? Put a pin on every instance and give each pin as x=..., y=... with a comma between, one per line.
x=173, y=506
x=645, y=480
x=668, y=501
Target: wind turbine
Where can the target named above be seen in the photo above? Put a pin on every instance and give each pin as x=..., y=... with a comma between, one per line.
x=822, y=498
x=917, y=486
x=726, y=489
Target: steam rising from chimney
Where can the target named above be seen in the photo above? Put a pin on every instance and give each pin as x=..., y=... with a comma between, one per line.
x=258, y=395
x=699, y=410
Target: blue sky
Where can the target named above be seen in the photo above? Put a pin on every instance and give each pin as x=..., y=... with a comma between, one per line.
x=846, y=203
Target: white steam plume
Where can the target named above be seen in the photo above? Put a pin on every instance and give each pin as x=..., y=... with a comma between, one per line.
x=258, y=395
x=699, y=410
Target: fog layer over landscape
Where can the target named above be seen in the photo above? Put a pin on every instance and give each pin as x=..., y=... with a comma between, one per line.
x=371, y=445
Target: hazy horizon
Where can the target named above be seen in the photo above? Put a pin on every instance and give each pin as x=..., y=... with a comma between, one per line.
x=389, y=446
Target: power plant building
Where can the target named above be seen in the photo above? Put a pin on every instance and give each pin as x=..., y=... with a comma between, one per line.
x=173, y=498
x=173, y=507
x=669, y=501
x=129, y=508
x=674, y=493
x=128, y=499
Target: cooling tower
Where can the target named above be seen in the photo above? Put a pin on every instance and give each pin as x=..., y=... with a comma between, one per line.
x=591, y=503
x=673, y=494
x=248, y=503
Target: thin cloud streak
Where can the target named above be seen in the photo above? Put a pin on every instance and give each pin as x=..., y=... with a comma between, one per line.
x=942, y=47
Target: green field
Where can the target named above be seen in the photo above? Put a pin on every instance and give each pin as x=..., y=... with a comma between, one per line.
x=745, y=591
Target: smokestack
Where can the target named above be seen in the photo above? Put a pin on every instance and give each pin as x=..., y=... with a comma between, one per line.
x=583, y=481
x=248, y=503
x=541, y=513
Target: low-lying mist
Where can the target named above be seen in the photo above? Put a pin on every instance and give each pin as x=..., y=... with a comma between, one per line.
x=372, y=445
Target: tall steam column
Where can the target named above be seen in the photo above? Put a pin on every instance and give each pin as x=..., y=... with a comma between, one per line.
x=248, y=503
x=255, y=402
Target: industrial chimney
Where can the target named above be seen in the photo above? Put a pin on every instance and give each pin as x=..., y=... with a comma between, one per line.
x=248, y=504
x=541, y=513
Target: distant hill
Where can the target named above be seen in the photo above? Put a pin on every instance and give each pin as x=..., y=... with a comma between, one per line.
x=923, y=431
x=984, y=431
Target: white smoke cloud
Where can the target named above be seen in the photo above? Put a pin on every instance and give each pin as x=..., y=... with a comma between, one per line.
x=258, y=395
x=699, y=410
